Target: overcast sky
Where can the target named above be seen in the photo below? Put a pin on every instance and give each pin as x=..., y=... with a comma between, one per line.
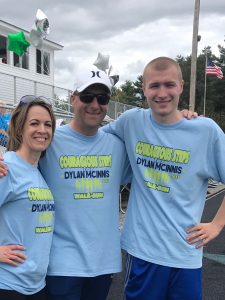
x=132, y=32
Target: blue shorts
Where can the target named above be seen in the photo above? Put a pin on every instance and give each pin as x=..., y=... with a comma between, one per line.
x=148, y=281
x=78, y=288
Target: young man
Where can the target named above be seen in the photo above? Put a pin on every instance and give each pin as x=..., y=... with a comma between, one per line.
x=172, y=160
x=84, y=168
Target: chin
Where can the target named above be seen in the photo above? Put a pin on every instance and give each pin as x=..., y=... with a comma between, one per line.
x=163, y=113
x=40, y=148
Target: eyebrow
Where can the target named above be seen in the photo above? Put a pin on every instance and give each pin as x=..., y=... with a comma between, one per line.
x=37, y=120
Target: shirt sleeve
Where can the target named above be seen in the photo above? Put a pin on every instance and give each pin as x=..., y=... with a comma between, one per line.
x=6, y=187
x=117, y=127
x=217, y=155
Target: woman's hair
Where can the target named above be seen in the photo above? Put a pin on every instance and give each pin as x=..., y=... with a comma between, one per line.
x=18, y=119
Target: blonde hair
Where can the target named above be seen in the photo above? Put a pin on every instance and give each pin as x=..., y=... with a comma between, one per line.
x=162, y=63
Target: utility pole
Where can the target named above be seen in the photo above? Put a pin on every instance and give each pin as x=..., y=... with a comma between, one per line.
x=195, y=40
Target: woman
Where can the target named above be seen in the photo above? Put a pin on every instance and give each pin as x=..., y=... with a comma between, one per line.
x=26, y=203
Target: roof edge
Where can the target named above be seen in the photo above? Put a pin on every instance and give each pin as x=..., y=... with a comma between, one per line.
x=16, y=28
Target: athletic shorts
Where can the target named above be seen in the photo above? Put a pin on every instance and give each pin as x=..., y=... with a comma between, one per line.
x=148, y=281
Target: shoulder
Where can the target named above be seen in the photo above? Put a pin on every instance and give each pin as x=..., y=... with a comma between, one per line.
x=133, y=112
x=203, y=122
x=111, y=138
x=10, y=157
x=11, y=160
x=61, y=132
x=132, y=116
x=61, y=129
x=205, y=126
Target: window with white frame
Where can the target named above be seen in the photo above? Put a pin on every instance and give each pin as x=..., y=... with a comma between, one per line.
x=42, y=62
x=21, y=61
x=18, y=61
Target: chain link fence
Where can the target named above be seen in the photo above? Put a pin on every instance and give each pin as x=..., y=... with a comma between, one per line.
x=63, y=113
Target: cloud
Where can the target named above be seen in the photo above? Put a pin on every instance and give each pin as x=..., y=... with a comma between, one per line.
x=132, y=32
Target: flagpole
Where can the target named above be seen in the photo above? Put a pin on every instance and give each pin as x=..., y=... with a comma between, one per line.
x=204, y=99
x=194, y=56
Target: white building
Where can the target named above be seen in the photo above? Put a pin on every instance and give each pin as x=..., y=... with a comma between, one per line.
x=29, y=74
x=33, y=74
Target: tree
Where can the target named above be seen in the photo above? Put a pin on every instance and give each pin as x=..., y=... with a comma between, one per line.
x=132, y=93
x=129, y=93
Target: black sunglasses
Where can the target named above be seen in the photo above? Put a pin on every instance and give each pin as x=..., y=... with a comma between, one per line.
x=31, y=98
x=103, y=99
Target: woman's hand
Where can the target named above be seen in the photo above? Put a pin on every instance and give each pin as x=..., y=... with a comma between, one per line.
x=12, y=255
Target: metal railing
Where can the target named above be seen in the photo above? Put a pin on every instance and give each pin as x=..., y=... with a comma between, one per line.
x=14, y=87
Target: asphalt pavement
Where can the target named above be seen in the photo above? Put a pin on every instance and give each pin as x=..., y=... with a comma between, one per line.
x=213, y=260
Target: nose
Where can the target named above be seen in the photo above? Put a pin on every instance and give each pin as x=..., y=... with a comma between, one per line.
x=94, y=102
x=162, y=93
x=42, y=127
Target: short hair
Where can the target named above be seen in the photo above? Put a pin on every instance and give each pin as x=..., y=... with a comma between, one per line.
x=162, y=63
x=18, y=119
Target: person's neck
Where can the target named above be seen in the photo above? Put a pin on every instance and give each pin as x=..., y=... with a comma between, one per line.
x=30, y=157
x=88, y=131
x=168, y=119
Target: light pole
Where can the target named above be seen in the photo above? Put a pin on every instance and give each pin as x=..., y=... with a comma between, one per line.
x=195, y=40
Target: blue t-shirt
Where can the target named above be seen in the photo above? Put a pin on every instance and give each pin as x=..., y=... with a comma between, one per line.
x=84, y=174
x=7, y=118
x=3, y=126
x=171, y=166
x=26, y=218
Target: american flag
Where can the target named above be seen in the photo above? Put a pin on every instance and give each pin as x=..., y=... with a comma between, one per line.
x=213, y=69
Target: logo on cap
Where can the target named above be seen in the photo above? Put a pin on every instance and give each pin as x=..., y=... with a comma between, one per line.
x=95, y=74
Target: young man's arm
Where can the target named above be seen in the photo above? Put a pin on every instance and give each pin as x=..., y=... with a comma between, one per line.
x=205, y=232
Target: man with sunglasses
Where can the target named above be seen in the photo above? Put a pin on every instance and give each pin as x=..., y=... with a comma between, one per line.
x=84, y=168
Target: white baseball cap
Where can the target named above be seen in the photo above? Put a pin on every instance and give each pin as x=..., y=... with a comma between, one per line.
x=89, y=76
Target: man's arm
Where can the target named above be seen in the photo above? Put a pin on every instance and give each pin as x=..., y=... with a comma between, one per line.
x=205, y=232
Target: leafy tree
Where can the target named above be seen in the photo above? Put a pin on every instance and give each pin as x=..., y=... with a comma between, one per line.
x=128, y=93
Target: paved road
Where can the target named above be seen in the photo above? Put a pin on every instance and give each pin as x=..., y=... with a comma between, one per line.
x=213, y=262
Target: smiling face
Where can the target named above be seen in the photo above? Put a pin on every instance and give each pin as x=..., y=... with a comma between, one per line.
x=162, y=89
x=36, y=133
x=88, y=116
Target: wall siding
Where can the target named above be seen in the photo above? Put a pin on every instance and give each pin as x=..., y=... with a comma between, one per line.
x=16, y=82
x=7, y=88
